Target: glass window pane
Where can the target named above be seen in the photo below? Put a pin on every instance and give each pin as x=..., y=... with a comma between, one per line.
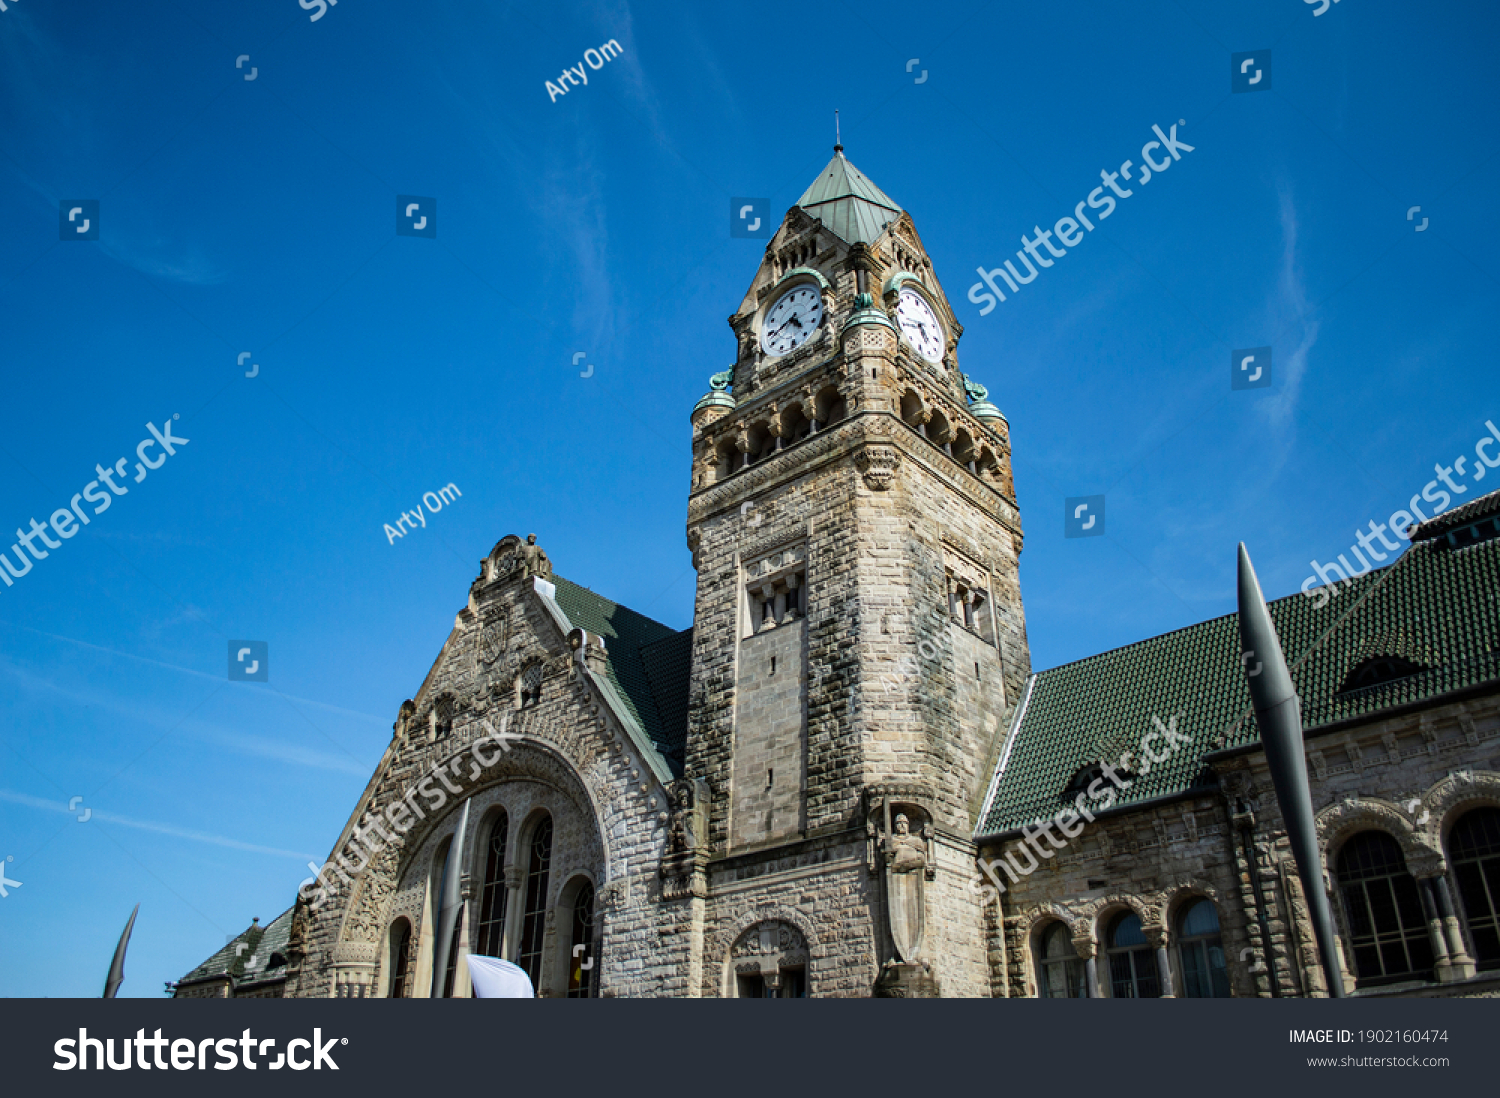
x=1195, y=983
x=1388, y=928
x=534, y=920
x=1121, y=985
x=1475, y=848
x=1201, y=917
x=581, y=964
x=1218, y=971
x=1127, y=932
x=488, y=939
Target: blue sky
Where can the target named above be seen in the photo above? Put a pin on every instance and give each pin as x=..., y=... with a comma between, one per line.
x=259, y=216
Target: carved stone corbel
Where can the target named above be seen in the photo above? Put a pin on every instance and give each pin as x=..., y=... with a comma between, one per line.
x=878, y=466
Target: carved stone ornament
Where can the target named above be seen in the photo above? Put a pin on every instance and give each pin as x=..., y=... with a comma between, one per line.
x=689, y=830
x=878, y=465
x=901, y=835
x=493, y=635
x=683, y=865
x=768, y=938
x=535, y=559
x=505, y=559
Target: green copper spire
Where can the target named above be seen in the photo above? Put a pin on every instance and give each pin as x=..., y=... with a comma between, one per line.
x=845, y=200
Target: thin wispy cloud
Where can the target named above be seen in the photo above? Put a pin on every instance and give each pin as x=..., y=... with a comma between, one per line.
x=232, y=740
x=175, y=832
x=1287, y=312
x=191, y=614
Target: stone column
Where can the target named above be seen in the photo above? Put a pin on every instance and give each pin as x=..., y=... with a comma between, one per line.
x=1463, y=964
x=1157, y=936
x=1435, y=930
x=768, y=612
x=1088, y=950
x=461, y=988
x=515, y=900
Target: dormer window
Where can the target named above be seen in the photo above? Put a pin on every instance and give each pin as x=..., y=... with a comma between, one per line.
x=1082, y=780
x=1379, y=671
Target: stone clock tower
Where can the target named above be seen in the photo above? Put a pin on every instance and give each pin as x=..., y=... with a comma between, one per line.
x=859, y=638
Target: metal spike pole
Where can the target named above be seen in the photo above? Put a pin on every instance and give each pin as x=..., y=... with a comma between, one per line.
x=452, y=904
x=1279, y=717
x=116, y=975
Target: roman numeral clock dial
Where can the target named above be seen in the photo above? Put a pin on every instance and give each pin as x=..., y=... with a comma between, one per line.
x=792, y=321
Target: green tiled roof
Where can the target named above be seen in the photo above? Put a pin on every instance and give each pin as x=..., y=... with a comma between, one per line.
x=252, y=964
x=648, y=664
x=845, y=200
x=1436, y=607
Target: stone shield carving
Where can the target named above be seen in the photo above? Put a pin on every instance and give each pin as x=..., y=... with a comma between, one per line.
x=492, y=638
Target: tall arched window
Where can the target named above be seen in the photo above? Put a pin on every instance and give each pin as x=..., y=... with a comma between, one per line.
x=1132, y=961
x=581, y=947
x=534, y=914
x=1387, y=930
x=400, y=957
x=489, y=940
x=1201, y=952
x=1062, y=974
x=1474, y=849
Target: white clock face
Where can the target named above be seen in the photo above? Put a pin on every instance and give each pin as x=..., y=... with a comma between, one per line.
x=792, y=321
x=920, y=325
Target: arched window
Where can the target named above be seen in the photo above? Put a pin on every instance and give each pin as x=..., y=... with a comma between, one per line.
x=1200, y=952
x=726, y=459
x=1387, y=931
x=490, y=939
x=1132, y=961
x=529, y=685
x=769, y=961
x=534, y=914
x=581, y=952
x=1061, y=972
x=912, y=412
x=400, y=958
x=1474, y=849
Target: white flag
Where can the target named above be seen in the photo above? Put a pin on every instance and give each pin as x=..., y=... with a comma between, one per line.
x=493, y=978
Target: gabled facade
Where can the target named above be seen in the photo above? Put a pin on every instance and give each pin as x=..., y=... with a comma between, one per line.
x=843, y=779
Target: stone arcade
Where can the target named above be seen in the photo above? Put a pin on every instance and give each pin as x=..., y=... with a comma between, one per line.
x=798, y=796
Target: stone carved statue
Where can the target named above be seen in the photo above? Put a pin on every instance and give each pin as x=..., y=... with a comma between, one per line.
x=905, y=858
x=683, y=834
x=686, y=854
x=534, y=559
x=905, y=852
